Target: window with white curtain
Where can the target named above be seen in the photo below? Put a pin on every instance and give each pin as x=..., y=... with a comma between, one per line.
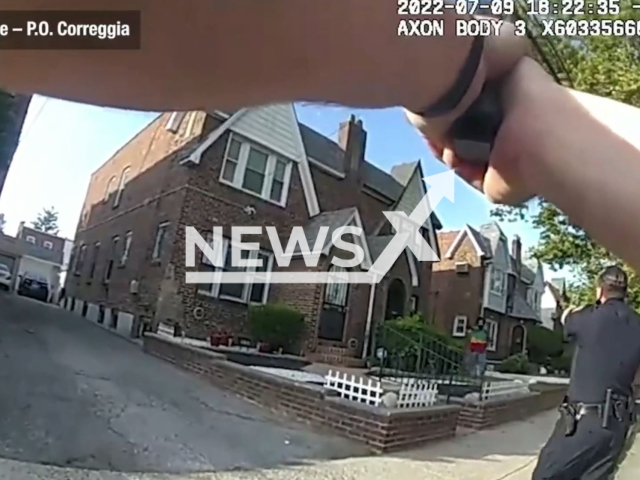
x=254, y=169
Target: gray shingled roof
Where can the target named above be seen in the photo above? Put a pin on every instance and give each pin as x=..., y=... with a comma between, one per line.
x=329, y=153
x=333, y=220
x=482, y=242
x=491, y=231
x=403, y=172
x=521, y=308
x=377, y=244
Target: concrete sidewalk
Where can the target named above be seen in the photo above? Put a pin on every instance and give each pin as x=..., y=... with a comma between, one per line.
x=505, y=453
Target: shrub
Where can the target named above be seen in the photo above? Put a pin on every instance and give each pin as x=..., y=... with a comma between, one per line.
x=516, y=364
x=563, y=362
x=544, y=345
x=280, y=326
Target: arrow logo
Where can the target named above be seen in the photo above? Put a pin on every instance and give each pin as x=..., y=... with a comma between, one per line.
x=408, y=227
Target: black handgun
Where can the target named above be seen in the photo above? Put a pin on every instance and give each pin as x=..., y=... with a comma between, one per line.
x=475, y=131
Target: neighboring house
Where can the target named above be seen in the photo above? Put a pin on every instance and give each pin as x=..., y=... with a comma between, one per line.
x=33, y=252
x=554, y=302
x=253, y=167
x=479, y=276
x=13, y=109
x=43, y=255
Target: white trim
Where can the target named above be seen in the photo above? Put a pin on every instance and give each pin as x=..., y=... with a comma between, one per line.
x=49, y=243
x=30, y=239
x=304, y=171
x=465, y=320
x=415, y=279
x=156, y=254
x=174, y=122
x=326, y=168
x=492, y=344
x=524, y=337
x=502, y=281
x=367, y=262
x=458, y=241
x=196, y=155
x=269, y=172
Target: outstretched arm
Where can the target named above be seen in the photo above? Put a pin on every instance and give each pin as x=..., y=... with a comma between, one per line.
x=232, y=53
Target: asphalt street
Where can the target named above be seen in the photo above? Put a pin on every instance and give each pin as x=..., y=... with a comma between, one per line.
x=74, y=395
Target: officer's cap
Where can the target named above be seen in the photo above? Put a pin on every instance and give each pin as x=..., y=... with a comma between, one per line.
x=614, y=277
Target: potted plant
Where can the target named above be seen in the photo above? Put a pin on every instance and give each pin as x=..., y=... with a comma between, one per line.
x=276, y=327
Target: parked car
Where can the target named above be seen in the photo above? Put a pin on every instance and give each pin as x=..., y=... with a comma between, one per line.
x=34, y=286
x=5, y=277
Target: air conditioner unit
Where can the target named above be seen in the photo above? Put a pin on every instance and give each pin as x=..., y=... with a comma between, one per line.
x=462, y=267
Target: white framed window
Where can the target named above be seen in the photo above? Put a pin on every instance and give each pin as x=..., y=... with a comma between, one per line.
x=94, y=261
x=497, y=281
x=82, y=254
x=127, y=247
x=492, y=333
x=111, y=187
x=460, y=326
x=256, y=290
x=31, y=239
x=115, y=243
x=48, y=245
x=255, y=170
x=124, y=178
x=161, y=236
x=175, y=119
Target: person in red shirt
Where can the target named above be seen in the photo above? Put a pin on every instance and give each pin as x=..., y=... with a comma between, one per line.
x=477, y=353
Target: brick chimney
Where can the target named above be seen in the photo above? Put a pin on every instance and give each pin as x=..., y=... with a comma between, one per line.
x=516, y=252
x=352, y=137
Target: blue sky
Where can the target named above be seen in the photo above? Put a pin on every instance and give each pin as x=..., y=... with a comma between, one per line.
x=63, y=142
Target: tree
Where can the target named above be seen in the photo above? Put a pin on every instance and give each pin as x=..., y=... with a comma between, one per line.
x=607, y=66
x=3, y=222
x=47, y=221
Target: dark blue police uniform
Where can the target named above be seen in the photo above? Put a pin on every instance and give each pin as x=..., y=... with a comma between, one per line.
x=607, y=357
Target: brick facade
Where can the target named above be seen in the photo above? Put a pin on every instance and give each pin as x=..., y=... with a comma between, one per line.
x=162, y=189
x=459, y=291
x=483, y=415
x=454, y=293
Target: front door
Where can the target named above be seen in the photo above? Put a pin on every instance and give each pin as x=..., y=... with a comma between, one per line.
x=334, y=306
x=517, y=340
x=396, y=298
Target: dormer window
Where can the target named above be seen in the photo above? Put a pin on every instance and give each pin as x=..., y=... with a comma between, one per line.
x=256, y=170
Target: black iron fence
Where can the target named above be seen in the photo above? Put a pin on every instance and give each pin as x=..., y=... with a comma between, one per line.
x=399, y=354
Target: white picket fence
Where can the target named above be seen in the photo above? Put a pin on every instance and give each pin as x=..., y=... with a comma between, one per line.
x=494, y=390
x=351, y=387
x=413, y=392
x=416, y=393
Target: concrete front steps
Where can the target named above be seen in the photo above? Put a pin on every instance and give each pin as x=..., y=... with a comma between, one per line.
x=334, y=355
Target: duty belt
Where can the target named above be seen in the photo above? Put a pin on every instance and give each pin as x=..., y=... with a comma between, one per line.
x=615, y=405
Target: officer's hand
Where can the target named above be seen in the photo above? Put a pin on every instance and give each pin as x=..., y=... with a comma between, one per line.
x=501, y=180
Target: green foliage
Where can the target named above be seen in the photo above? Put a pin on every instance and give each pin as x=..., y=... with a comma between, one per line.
x=608, y=66
x=544, y=345
x=516, y=364
x=278, y=325
x=47, y=221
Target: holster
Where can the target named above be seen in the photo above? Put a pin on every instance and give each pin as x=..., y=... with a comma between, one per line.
x=568, y=414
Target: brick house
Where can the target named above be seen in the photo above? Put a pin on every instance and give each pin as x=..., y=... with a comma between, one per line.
x=479, y=276
x=253, y=167
x=554, y=301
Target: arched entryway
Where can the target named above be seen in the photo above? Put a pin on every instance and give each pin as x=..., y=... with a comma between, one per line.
x=396, y=299
x=518, y=337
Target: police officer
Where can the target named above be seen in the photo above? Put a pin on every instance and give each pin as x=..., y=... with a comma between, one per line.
x=598, y=410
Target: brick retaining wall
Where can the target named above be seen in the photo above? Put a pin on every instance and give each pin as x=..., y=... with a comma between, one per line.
x=481, y=415
x=382, y=429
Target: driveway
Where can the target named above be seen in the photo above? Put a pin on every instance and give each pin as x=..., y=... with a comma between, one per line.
x=74, y=395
